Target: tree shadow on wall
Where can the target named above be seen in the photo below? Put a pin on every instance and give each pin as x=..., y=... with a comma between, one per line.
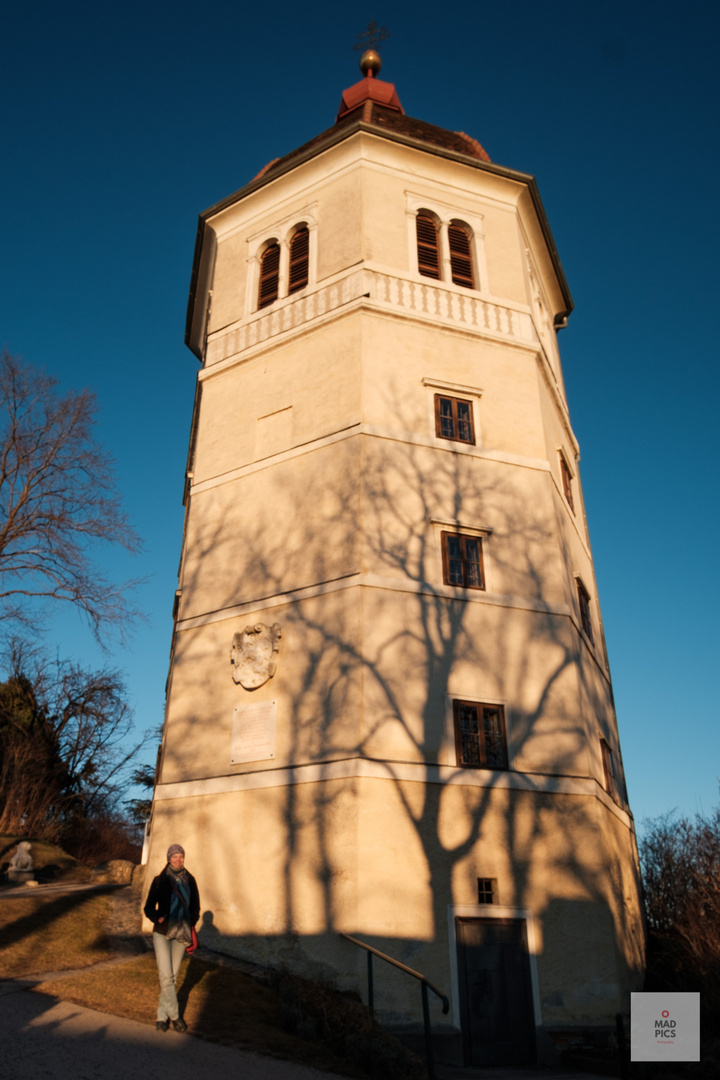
x=385, y=645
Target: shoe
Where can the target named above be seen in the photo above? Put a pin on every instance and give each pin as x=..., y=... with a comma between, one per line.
x=179, y=1025
x=162, y=1025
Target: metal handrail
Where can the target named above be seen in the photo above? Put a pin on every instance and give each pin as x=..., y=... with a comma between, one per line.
x=425, y=985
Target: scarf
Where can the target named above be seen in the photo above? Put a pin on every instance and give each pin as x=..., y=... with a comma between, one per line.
x=179, y=928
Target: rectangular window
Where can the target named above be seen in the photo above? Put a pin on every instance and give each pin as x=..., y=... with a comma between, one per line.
x=480, y=735
x=567, y=483
x=454, y=419
x=607, y=756
x=462, y=560
x=487, y=890
x=584, y=603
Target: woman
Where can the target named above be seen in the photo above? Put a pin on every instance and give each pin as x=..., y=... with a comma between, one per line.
x=173, y=907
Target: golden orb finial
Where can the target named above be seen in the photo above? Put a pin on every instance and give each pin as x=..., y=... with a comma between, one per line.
x=370, y=63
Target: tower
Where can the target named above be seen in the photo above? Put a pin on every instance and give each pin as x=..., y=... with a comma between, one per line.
x=389, y=708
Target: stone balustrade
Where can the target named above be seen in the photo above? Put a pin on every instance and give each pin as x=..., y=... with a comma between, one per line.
x=389, y=292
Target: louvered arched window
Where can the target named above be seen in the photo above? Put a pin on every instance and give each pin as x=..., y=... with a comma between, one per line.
x=299, y=259
x=427, y=246
x=269, y=275
x=461, y=267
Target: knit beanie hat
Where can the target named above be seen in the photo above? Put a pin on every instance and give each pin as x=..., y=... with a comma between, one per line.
x=175, y=849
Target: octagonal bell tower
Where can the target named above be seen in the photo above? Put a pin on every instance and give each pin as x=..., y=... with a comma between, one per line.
x=389, y=709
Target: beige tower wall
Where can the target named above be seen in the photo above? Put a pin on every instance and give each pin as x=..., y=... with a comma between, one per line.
x=318, y=495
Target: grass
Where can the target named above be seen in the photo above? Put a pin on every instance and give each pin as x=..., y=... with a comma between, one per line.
x=53, y=933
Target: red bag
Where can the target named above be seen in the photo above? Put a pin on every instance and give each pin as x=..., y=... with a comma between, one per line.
x=194, y=943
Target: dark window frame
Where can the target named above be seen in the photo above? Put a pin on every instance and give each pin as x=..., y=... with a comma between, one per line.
x=608, y=769
x=453, y=423
x=567, y=478
x=427, y=237
x=487, y=890
x=457, y=550
x=299, y=267
x=472, y=749
x=269, y=282
x=584, y=604
x=462, y=269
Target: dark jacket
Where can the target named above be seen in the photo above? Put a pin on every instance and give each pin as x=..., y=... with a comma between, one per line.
x=157, y=905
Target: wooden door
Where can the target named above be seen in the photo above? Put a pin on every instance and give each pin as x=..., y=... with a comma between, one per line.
x=495, y=992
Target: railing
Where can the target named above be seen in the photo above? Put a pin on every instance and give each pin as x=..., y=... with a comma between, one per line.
x=425, y=985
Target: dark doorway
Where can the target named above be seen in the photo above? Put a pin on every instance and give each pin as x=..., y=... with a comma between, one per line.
x=495, y=992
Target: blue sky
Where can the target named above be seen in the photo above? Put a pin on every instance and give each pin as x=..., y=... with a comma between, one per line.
x=121, y=122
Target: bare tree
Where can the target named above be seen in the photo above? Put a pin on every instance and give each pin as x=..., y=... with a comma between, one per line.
x=64, y=751
x=57, y=499
x=680, y=860
x=33, y=782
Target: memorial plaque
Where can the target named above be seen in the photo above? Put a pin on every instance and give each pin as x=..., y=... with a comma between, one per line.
x=253, y=733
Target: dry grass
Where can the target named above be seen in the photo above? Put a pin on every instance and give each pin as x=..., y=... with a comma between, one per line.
x=52, y=933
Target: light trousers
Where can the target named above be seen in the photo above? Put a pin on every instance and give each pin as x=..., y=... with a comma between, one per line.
x=169, y=956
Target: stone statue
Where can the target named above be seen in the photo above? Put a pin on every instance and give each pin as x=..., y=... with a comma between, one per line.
x=20, y=870
x=22, y=859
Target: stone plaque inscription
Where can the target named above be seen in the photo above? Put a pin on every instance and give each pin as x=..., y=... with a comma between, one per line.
x=253, y=732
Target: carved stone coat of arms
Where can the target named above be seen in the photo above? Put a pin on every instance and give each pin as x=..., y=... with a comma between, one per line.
x=254, y=654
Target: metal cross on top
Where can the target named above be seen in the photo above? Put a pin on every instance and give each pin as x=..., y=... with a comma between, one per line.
x=373, y=36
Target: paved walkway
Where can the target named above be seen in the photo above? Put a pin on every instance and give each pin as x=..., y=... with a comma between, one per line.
x=46, y=1038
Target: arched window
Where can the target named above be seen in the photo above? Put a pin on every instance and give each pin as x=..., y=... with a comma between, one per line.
x=435, y=242
x=269, y=275
x=461, y=267
x=427, y=246
x=299, y=259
